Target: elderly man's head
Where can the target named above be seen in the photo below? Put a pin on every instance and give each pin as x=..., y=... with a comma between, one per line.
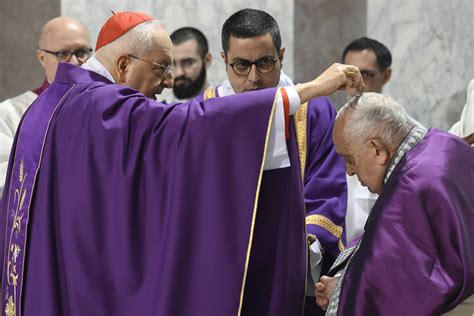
x=63, y=39
x=141, y=58
x=367, y=133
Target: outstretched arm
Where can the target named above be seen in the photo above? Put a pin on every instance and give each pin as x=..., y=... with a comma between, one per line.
x=336, y=77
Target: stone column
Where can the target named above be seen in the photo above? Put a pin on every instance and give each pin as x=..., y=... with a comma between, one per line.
x=322, y=29
x=20, y=25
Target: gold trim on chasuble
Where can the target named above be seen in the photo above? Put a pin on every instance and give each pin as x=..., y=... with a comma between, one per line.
x=328, y=225
x=13, y=306
x=300, y=118
x=210, y=93
x=249, y=248
x=15, y=249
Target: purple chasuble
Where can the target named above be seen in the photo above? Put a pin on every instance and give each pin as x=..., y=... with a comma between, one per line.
x=325, y=187
x=141, y=208
x=416, y=256
x=277, y=272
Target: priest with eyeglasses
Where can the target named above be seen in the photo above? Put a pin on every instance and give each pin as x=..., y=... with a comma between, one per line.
x=62, y=39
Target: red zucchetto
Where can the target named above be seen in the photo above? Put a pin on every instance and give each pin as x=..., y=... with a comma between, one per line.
x=119, y=24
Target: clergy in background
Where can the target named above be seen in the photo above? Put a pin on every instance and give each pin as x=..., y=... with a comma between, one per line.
x=62, y=39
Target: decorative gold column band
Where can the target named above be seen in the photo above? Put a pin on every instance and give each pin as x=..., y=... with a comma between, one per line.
x=300, y=125
x=328, y=225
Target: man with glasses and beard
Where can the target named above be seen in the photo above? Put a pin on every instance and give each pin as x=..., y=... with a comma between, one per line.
x=191, y=60
x=253, y=56
x=62, y=39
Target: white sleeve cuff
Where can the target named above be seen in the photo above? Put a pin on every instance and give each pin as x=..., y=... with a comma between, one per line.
x=294, y=98
x=277, y=153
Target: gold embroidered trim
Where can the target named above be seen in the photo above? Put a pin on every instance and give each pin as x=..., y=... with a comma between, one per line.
x=15, y=249
x=210, y=93
x=300, y=118
x=340, y=245
x=249, y=248
x=14, y=301
x=328, y=225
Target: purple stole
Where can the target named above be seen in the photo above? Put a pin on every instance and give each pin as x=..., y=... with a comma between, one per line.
x=22, y=178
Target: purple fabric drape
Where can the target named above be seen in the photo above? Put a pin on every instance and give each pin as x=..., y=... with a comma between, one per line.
x=325, y=187
x=325, y=175
x=142, y=208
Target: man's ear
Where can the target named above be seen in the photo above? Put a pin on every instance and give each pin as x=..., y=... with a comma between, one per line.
x=380, y=151
x=121, y=68
x=387, y=74
x=224, y=58
x=207, y=59
x=40, y=55
x=281, y=54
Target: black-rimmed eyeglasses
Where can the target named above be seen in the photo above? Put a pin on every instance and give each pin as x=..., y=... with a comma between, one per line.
x=264, y=65
x=164, y=70
x=82, y=54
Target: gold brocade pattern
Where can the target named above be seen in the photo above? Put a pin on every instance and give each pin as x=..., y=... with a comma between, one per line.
x=328, y=225
x=300, y=118
x=13, y=248
x=15, y=253
x=10, y=308
x=210, y=93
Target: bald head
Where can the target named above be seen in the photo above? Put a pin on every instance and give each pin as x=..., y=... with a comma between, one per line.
x=140, y=59
x=61, y=34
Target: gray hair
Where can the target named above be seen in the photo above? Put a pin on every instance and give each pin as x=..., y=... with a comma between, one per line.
x=137, y=41
x=376, y=115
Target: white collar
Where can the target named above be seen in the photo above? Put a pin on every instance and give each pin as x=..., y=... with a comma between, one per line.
x=226, y=89
x=93, y=64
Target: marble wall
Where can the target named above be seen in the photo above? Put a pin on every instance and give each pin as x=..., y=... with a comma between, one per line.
x=432, y=43
x=322, y=30
x=431, y=40
x=208, y=16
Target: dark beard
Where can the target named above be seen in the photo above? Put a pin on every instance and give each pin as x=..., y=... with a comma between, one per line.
x=190, y=89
